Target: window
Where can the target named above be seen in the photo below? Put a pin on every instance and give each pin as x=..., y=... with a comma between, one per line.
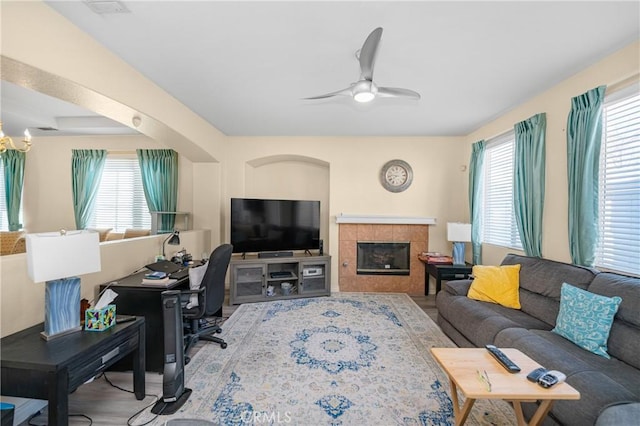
x=120, y=202
x=499, y=221
x=619, y=194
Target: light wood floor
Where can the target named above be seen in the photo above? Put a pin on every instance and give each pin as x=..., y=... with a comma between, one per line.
x=107, y=405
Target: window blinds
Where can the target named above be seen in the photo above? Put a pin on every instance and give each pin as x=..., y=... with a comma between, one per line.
x=619, y=192
x=121, y=203
x=499, y=221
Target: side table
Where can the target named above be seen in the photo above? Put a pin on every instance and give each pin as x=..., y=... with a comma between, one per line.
x=444, y=272
x=35, y=368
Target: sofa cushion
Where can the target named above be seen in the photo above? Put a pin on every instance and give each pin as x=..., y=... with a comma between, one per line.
x=601, y=382
x=479, y=322
x=542, y=307
x=554, y=352
x=596, y=391
x=545, y=277
x=496, y=284
x=620, y=414
x=624, y=340
x=585, y=318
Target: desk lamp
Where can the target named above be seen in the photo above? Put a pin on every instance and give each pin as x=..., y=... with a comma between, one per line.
x=458, y=233
x=173, y=239
x=57, y=258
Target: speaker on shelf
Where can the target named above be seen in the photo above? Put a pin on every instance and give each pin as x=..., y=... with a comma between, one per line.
x=321, y=248
x=274, y=254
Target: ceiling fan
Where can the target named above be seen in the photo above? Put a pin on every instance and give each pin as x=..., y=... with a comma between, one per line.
x=365, y=90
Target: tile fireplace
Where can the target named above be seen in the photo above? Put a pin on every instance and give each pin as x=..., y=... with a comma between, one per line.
x=401, y=276
x=383, y=258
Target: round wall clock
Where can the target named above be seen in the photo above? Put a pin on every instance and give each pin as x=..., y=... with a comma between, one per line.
x=396, y=175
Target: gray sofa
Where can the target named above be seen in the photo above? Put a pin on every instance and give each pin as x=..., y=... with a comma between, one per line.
x=609, y=388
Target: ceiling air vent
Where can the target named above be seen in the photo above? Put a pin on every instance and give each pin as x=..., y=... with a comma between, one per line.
x=47, y=129
x=106, y=7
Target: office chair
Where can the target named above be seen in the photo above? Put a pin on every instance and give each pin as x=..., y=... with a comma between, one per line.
x=210, y=301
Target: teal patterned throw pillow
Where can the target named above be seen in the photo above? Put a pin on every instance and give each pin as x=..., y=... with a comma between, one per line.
x=585, y=318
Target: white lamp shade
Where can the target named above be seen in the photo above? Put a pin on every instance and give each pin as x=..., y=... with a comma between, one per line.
x=459, y=232
x=51, y=256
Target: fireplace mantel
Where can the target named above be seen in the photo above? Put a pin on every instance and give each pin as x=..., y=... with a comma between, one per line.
x=393, y=220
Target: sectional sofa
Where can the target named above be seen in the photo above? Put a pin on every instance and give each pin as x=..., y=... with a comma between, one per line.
x=609, y=388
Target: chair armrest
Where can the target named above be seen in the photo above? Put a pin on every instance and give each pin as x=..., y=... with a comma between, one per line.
x=198, y=311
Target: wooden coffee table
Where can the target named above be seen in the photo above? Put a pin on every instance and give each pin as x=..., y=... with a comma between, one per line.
x=467, y=366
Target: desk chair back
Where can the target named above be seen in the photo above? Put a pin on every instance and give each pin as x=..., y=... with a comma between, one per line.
x=214, y=277
x=212, y=287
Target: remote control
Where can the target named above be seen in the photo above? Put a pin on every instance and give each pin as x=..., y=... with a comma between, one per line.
x=504, y=360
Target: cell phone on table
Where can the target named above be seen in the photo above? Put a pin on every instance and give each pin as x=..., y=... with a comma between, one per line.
x=536, y=374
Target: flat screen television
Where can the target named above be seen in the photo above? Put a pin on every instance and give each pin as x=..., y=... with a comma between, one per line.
x=259, y=225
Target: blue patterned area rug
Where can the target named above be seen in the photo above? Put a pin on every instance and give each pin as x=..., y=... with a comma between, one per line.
x=348, y=359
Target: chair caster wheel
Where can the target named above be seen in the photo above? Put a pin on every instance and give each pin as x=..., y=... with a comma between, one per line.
x=219, y=331
x=186, y=360
x=223, y=345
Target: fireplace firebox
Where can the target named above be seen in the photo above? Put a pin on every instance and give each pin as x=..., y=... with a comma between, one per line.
x=383, y=258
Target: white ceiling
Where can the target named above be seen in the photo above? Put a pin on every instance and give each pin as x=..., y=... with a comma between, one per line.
x=245, y=66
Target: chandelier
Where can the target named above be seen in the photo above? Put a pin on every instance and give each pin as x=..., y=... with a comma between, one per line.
x=6, y=141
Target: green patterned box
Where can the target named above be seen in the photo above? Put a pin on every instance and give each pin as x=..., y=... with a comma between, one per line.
x=100, y=319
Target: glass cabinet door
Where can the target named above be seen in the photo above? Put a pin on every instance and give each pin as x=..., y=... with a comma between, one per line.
x=249, y=282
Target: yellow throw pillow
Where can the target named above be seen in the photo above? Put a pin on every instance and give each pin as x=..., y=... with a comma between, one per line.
x=496, y=284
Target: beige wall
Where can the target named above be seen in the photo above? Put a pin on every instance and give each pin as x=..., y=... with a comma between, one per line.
x=22, y=300
x=439, y=163
x=353, y=180
x=613, y=71
x=80, y=70
x=47, y=196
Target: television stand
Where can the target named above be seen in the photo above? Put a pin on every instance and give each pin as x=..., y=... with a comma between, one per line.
x=272, y=254
x=253, y=278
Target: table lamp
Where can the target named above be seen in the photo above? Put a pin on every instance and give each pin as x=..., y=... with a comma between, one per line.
x=458, y=233
x=173, y=239
x=57, y=258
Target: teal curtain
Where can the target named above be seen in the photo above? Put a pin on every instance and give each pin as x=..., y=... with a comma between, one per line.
x=476, y=166
x=13, y=163
x=159, y=169
x=86, y=171
x=584, y=137
x=529, y=182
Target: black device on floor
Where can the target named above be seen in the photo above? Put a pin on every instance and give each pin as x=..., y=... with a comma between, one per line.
x=503, y=359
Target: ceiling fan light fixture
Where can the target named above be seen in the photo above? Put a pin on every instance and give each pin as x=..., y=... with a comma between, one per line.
x=364, y=91
x=363, y=96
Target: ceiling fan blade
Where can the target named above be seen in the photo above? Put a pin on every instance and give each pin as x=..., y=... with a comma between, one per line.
x=368, y=53
x=394, y=92
x=343, y=92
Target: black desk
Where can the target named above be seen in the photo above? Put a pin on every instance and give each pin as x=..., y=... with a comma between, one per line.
x=445, y=272
x=35, y=368
x=143, y=300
